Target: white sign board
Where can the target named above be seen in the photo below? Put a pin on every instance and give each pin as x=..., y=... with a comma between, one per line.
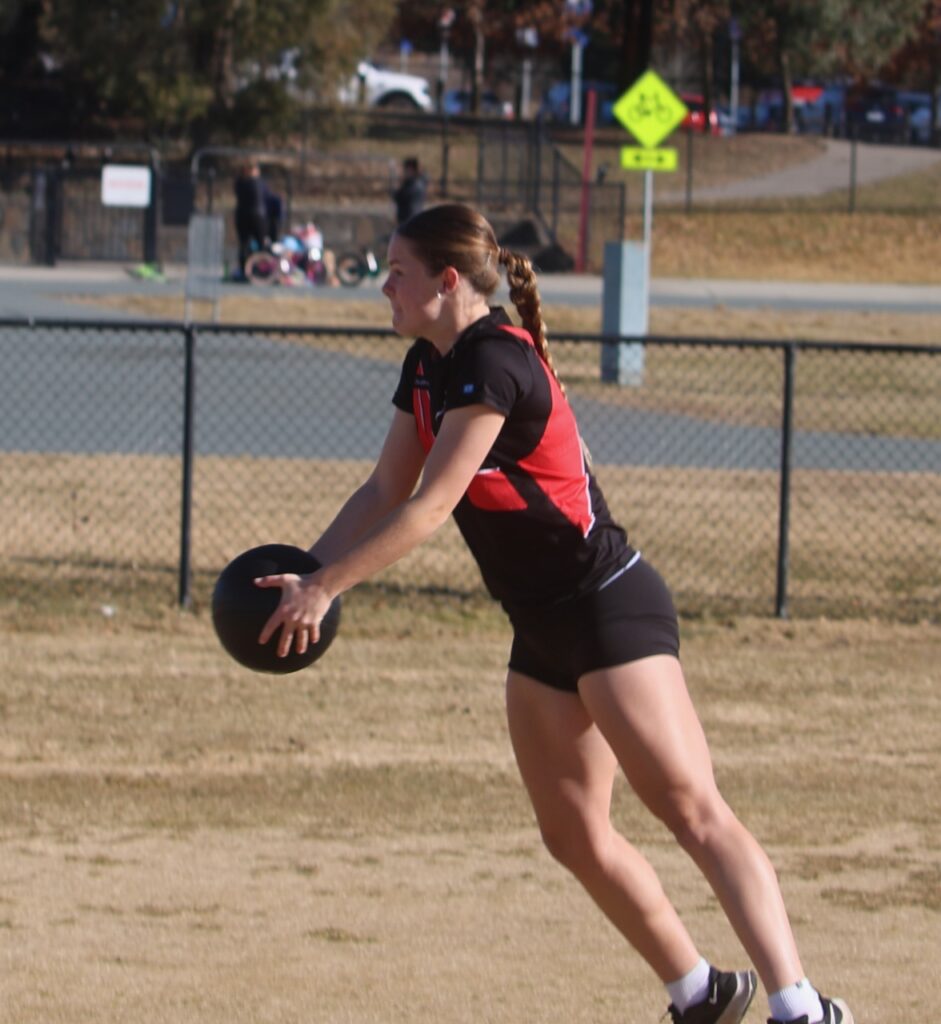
x=125, y=185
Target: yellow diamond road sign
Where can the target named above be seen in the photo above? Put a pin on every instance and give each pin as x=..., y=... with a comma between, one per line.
x=636, y=158
x=650, y=109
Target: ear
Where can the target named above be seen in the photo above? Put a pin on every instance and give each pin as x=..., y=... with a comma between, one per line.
x=449, y=279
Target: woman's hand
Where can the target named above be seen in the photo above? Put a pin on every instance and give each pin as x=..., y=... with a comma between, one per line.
x=303, y=604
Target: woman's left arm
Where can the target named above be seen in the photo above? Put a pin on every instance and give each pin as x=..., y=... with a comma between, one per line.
x=466, y=436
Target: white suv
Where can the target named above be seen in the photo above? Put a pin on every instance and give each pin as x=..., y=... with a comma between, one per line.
x=380, y=87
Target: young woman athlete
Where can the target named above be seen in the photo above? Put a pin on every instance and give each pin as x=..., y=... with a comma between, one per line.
x=482, y=430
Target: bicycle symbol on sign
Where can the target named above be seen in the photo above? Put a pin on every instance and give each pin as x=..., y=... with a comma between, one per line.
x=650, y=106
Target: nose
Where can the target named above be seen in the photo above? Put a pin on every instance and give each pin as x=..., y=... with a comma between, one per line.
x=387, y=287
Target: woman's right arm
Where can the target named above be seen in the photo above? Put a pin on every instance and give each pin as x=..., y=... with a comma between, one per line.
x=391, y=482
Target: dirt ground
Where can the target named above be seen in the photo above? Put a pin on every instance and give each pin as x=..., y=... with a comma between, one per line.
x=182, y=840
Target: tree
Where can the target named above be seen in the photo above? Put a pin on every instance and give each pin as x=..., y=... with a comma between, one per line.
x=21, y=68
x=789, y=39
x=484, y=29
x=692, y=26
x=918, y=63
x=785, y=36
x=199, y=65
x=19, y=37
x=864, y=35
x=824, y=37
x=636, y=40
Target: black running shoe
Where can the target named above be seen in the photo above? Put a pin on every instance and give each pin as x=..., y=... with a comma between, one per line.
x=730, y=993
x=835, y=1011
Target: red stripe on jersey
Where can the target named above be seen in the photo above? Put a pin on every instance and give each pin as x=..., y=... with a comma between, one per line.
x=557, y=463
x=421, y=407
x=492, y=491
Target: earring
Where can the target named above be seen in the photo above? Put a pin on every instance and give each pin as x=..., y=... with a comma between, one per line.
x=437, y=295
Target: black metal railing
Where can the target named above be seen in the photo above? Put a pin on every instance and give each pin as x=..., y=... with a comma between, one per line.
x=51, y=192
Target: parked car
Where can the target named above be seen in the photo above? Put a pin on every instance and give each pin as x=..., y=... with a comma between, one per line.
x=918, y=114
x=818, y=110
x=727, y=125
x=373, y=85
x=696, y=118
x=919, y=126
x=874, y=113
x=380, y=87
x=458, y=101
x=556, y=101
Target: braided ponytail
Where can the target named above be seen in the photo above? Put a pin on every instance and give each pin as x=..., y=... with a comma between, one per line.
x=524, y=294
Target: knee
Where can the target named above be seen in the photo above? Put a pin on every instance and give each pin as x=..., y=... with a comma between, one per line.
x=574, y=842
x=697, y=820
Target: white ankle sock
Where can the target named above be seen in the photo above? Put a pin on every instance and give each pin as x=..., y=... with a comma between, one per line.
x=795, y=1001
x=691, y=989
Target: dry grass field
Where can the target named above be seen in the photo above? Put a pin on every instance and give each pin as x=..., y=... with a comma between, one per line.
x=183, y=840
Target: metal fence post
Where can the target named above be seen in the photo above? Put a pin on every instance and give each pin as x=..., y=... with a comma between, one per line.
x=53, y=213
x=504, y=169
x=555, y=191
x=481, y=163
x=445, y=157
x=689, y=169
x=784, y=489
x=150, y=215
x=186, y=474
x=537, y=166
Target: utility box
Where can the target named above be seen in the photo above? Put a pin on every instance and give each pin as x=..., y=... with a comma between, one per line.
x=625, y=302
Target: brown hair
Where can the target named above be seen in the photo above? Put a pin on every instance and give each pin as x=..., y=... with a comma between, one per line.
x=455, y=235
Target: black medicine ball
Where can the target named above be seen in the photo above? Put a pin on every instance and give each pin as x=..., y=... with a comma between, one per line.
x=240, y=609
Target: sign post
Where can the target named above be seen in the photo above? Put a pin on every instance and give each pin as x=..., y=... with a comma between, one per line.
x=650, y=111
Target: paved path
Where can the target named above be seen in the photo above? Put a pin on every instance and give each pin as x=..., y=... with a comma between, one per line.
x=43, y=292
x=91, y=390
x=829, y=172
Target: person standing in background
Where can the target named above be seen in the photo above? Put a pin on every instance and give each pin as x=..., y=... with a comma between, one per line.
x=409, y=197
x=251, y=211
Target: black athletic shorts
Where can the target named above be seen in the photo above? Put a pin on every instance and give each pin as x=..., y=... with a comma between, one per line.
x=628, y=617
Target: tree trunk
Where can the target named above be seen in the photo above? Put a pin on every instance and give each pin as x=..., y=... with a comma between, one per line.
x=784, y=66
x=223, y=63
x=635, y=40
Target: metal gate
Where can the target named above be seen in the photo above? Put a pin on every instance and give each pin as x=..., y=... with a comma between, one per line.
x=87, y=229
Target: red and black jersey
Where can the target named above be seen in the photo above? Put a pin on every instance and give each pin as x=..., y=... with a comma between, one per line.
x=533, y=516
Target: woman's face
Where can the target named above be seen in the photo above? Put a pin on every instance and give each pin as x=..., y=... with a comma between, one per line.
x=413, y=293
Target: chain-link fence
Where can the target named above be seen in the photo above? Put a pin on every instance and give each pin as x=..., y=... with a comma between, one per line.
x=758, y=476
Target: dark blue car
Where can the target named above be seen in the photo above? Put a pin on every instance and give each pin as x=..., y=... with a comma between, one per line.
x=556, y=102
x=875, y=113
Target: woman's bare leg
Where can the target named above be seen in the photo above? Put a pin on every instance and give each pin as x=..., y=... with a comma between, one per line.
x=644, y=711
x=568, y=769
